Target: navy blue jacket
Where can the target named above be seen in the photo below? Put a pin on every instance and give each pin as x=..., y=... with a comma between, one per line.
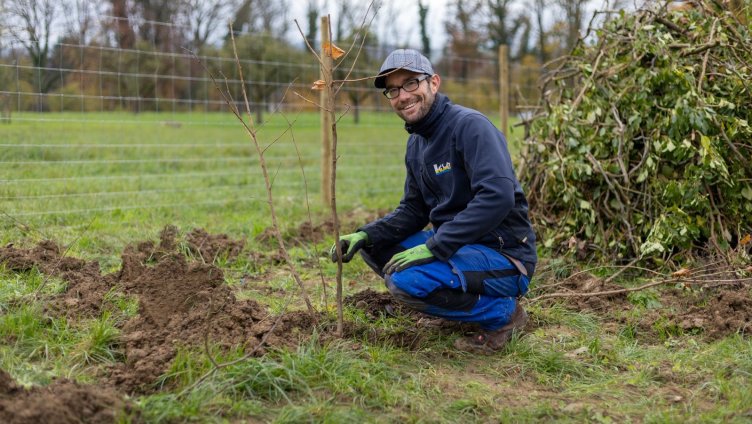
x=460, y=179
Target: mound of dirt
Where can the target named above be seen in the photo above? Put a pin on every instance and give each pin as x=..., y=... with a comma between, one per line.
x=375, y=304
x=61, y=402
x=212, y=246
x=309, y=232
x=181, y=303
x=86, y=285
x=184, y=304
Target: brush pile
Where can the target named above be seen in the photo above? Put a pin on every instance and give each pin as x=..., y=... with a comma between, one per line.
x=644, y=146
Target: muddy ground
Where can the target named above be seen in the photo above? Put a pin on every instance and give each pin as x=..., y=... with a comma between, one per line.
x=183, y=301
x=62, y=402
x=711, y=311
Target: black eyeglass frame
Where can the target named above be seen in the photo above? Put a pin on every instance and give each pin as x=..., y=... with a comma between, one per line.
x=396, y=90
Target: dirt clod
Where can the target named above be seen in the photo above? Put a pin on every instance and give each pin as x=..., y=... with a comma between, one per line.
x=61, y=402
x=86, y=286
x=212, y=246
x=375, y=304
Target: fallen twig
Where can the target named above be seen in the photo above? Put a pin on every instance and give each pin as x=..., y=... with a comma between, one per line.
x=666, y=280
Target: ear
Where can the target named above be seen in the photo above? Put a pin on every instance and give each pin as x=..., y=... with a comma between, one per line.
x=435, y=83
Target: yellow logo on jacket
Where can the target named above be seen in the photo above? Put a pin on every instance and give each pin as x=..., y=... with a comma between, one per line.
x=440, y=169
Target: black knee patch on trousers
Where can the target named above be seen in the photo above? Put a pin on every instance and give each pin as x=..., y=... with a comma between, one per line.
x=455, y=300
x=476, y=279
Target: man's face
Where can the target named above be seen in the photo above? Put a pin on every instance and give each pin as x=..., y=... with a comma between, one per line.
x=412, y=106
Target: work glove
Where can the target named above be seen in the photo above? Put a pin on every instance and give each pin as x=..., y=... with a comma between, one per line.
x=349, y=244
x=417, y=255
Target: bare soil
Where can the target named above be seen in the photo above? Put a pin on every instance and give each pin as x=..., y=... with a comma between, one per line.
x=61, y=402
x=210, y=247
x=309, y=232
x=86, y=286
x=375, y=304
x=185, y=303
x=713, y=314
x=181, y=303
x=710, y=312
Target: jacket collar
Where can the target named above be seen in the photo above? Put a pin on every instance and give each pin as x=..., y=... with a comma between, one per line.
x=426, y=126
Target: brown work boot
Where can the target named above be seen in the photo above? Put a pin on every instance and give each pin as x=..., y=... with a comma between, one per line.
x=492, y=341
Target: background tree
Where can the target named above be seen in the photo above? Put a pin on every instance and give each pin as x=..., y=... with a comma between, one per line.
x=424, y=40
x=262, y=16
x=81, y=19
x=574, y=16
x=368, y=61
x=30, y=24
x=265, y=61
x=125, y=35
x=523, y=30
x=312, y=16
x=539, y=8
x=505, y=27
x=156, y=27
x=205, y=19
x=465, y=36
x=499, y=31
x=345, y=22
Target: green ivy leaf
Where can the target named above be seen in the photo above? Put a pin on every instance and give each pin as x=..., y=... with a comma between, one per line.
x=747, y=193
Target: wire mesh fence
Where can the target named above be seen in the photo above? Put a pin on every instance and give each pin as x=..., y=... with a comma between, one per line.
x=97, y=129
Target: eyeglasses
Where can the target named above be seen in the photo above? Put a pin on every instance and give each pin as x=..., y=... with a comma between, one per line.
x=409, y=86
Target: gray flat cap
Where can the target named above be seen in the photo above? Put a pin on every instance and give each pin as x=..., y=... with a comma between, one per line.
x=408, y=59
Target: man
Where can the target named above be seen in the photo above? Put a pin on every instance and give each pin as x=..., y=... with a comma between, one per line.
x=479, y=255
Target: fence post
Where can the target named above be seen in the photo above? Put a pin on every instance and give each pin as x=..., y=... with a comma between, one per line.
x=326, y=122
x=504, y=87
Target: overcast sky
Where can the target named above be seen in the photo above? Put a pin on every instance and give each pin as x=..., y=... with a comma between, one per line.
x=407, y=26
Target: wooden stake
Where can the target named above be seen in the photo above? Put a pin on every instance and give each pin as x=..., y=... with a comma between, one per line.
x=326, y=116
x=504, y=87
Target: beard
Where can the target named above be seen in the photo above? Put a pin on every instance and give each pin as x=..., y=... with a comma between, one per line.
x=415, y=108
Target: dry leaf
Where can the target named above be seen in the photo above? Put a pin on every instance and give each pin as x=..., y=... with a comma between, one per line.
x=332, y=50
x=745, y=240
x=681, y=273
x=319, y=85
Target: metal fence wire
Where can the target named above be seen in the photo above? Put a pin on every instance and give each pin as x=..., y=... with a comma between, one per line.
x=97, y=129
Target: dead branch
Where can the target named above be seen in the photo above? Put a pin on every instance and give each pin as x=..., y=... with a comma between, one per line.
x=698, y=280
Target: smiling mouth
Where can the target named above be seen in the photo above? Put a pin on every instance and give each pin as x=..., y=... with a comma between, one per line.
x=410, y=106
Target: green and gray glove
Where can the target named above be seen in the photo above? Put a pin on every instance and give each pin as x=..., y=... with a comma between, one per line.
x=349, y=244
x=417, y=255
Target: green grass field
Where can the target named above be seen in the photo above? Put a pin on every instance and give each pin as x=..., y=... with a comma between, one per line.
x=124, y=175
x=98, y=182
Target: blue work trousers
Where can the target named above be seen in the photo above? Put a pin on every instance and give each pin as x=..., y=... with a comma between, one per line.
x=478, y=284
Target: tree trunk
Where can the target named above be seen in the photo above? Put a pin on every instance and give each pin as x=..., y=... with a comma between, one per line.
x=124, y=34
